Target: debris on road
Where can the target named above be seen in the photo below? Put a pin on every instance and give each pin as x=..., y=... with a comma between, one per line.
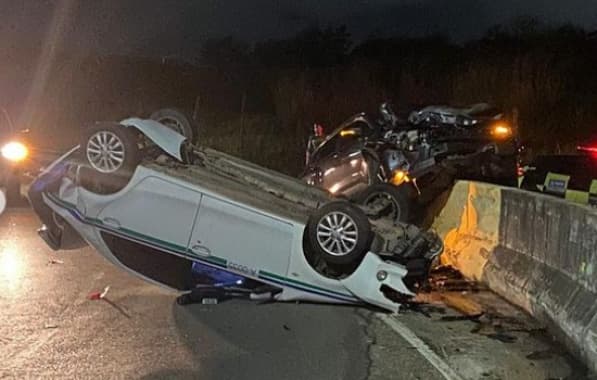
x=99, y=295
x=447, y=278
x=55, y=261
x=463, y=304
x=447, y=287
x=95, y=296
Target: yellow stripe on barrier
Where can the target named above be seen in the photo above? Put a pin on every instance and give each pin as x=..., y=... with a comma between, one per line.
x=557, y=184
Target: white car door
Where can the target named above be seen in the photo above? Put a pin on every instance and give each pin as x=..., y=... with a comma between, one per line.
x=241, y=238
x=156, y=210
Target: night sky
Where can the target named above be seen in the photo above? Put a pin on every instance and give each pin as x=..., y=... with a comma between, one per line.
x=160, y=28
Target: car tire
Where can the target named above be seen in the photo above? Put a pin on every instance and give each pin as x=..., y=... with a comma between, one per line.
x=176, y=120
x=339, y=233
x=398, y=197
x=110, y=154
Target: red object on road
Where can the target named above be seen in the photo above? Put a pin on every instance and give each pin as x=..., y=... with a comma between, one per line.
x=98, y=295
x=95, y=296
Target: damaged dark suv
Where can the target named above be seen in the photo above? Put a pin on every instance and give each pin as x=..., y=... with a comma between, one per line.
x=390, y=162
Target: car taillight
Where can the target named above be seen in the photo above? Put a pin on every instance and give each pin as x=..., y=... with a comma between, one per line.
x=590, y=149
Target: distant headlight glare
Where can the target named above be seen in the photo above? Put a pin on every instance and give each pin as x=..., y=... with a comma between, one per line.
x=15, y=151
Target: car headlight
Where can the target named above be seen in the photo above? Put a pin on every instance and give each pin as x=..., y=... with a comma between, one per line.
x=15, y=151
x=501, y=131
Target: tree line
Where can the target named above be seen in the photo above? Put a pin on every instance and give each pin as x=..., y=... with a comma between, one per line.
x=259, y=100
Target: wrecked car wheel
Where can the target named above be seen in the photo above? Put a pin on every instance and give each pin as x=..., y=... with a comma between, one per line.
x=176, y=120
x=389, y=201
x=339, y=233
x=110, y=154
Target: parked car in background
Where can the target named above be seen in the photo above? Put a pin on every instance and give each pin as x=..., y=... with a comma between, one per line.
x=572, y=176
x=197, y=220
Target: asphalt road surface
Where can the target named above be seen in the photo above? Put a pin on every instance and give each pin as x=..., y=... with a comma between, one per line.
x=49, y=328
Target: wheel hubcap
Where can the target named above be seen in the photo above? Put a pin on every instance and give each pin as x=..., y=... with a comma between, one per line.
x=105, y=152
x=337, y=233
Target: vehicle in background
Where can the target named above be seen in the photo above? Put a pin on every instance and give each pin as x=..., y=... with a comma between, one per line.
x=391, y=163
x=480, y=140
x=572, y=176
x=212, y=225
x=14, y=160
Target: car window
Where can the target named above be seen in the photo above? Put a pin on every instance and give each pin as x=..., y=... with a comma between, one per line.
x=347, y=143
x=326, y=149
x=339, y=143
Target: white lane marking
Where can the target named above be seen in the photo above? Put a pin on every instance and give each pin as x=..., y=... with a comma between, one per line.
x=447, y=372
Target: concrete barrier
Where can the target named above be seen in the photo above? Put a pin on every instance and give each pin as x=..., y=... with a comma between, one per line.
x=538, y=252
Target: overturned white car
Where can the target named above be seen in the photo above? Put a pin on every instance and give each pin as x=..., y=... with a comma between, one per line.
x=211, y=225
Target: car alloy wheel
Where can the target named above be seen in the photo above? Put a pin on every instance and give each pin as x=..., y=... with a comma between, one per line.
x=337, y=233
x=105, y=152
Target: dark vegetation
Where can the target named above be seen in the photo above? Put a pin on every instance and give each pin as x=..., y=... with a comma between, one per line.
x=260, y=101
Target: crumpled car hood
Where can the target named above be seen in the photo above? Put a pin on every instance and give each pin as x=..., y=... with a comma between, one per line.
x=164, y=137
